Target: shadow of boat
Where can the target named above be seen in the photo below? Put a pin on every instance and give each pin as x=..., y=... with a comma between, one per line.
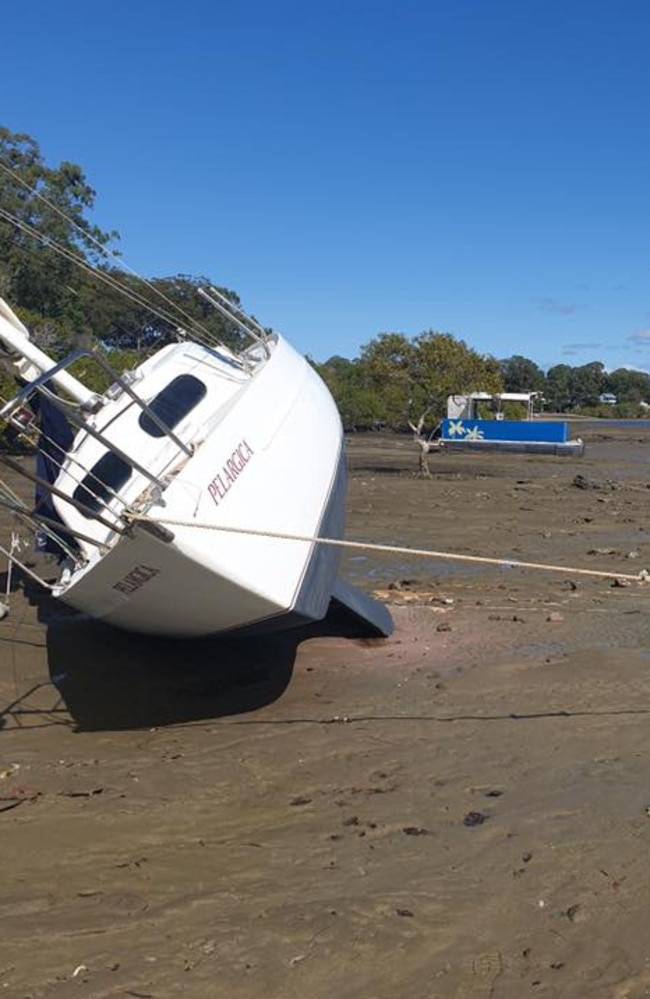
x=110, y=679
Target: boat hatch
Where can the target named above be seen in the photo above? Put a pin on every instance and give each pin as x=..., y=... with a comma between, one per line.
x=172, y=404
x=102, y=482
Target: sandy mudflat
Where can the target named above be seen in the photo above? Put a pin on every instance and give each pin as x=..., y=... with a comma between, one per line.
x=459, y=811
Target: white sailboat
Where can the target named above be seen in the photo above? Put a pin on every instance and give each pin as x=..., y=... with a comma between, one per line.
x=169, y=499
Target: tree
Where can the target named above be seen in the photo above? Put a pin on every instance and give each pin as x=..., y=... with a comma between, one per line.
x=520, y=374
x=628, y=386
x=446, y=366
x=359, y=403
x=51, y=203
x=136, y=315
x=559, y=387
x=388, y=366
x=586, y=384
x=416, y=376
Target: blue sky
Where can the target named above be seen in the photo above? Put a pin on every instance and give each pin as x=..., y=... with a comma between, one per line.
x=480, y=168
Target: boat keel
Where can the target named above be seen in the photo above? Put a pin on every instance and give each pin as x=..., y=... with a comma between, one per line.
x=363, y=608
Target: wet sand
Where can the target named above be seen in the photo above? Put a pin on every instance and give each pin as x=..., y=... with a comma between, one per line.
x=459, y=811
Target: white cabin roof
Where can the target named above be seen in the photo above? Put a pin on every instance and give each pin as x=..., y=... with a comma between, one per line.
x=503, y=396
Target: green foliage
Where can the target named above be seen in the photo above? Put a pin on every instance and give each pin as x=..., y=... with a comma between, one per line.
x=94, y=376
x=586, y=384
x=574, y=389
x=620, y=411
x=515, y=410
x=558, y=388
x=154, y=313
x=628, y=386
x=386, y=369
x=360, y=405
x=7, y=391
x=413, y=377
x=520, y=374
x=53, y=203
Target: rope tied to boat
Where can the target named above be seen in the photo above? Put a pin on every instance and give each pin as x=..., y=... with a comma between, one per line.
x=15, y=546
x=639, y=577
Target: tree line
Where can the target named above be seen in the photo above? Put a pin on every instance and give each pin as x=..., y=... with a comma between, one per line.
x=62, y=275
x=399, y=382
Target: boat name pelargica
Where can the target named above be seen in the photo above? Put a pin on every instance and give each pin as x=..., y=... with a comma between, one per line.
x=231, y=470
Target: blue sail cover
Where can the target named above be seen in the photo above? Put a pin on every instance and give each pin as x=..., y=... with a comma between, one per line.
x=56, y=436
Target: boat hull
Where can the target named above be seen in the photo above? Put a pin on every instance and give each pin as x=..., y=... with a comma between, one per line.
x=563, y=449
x=283, y=444
x=515, y=436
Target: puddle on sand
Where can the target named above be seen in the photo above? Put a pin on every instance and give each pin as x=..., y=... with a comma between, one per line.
x=450, y=671
x=542, y=650
x=361, y=569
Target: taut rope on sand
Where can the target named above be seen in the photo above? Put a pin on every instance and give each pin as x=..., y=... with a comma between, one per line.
x=640, y=577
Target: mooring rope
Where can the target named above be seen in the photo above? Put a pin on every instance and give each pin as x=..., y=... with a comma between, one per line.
x=641, y=577
x=10, y=554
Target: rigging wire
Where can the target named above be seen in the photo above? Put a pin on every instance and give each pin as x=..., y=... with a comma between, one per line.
x=107, y=253
x=250, y=320
x=209, y=340
x=74, y=258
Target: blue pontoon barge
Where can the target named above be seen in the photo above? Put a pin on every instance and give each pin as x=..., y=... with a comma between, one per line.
x=476, y=422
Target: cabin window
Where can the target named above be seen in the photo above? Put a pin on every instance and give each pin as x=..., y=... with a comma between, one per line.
x=106, y=477
x=172, y=404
